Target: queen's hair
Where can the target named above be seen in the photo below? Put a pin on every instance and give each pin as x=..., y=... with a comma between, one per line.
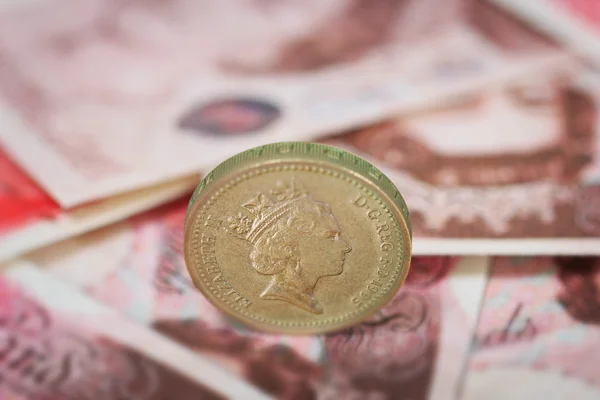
x=277, y=249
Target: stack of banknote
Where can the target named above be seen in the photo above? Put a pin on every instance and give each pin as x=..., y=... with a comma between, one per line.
x=484, y=113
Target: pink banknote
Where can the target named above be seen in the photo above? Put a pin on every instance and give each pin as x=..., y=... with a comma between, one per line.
x=575, y=23
x=588, y=11
x=98, y=97
x=58, y=344
x=539, y=329
x=523, y=162
x=411, y=346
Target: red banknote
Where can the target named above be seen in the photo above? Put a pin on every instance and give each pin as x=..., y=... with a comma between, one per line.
x=21, y=200
x=588, y=10
x=30, y=218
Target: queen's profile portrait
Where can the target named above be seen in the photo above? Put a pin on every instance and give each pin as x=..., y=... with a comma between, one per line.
x=295, y=239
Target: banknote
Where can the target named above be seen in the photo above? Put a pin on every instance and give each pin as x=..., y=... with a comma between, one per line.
x=21, y=199
x=481, y=174
x=539, y=330
x=575, y=23
x=586, y=10
x=58, y=343
x=98, y=97
x=29, y=219
x=411, y=346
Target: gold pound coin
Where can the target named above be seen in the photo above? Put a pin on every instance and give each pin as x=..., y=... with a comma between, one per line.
x=297, y=238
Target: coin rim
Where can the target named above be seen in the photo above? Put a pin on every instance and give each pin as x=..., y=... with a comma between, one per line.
x=327, y=157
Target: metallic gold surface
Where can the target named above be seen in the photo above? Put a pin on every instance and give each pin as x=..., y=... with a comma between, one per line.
x=297, y=238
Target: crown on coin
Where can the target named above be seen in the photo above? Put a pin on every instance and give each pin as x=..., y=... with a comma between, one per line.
x=264, y=209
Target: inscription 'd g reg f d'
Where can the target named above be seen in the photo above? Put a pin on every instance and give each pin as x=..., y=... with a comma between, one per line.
x=383, y=230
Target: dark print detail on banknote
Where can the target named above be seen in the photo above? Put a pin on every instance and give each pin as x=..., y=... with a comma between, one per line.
x=392, y=355
x=507, y=332
x=230, y=116
x=276, y=369
x=426, y=271
x=45, y=357
x=361, y=28
x=580, y=288
x=553, y=212
x=560, y=121
x=350, y=33
x=21, y=200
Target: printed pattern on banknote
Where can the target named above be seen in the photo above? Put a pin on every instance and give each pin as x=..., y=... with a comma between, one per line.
x=539, y=327
x=413, y=342
x=63, y=345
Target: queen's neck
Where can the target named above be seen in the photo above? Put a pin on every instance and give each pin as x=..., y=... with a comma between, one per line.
x=294, y=287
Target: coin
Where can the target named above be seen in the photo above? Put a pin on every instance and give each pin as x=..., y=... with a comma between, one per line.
x=297, y=238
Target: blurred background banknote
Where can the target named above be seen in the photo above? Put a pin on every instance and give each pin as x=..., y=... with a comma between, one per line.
x=413, y=344
x=63, y=347
x=484, y=113
x=90, y=110
x=538, y=329
x=523, y=163
x=576, y=23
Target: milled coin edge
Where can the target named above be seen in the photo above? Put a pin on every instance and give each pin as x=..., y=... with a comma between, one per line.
x=308, y=151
